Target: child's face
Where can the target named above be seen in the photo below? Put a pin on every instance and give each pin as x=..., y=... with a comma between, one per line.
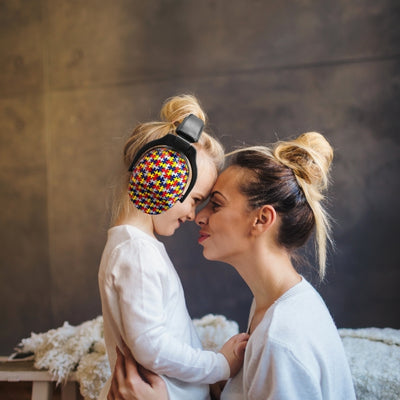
x=167, y=222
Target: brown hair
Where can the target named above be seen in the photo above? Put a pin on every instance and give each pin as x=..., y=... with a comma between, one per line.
x=173, y=112
x=291, y=177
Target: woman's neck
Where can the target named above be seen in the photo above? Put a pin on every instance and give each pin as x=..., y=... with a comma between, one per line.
x=269, y=273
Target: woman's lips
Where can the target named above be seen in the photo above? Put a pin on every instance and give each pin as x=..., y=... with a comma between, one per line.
x=203, y=236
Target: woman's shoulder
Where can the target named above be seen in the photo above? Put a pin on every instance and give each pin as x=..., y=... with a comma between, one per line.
x=301, y=298
x=300, y=314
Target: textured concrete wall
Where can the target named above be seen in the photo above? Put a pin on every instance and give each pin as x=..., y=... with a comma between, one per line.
x=76, y=76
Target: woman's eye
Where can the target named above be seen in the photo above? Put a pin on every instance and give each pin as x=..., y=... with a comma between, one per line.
x=214, y=205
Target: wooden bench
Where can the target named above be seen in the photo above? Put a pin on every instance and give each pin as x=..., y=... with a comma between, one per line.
x=42, y=381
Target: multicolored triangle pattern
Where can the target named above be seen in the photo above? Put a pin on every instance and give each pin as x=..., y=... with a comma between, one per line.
x=158, y=180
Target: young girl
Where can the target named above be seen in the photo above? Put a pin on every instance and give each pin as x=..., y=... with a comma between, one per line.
x=142, y=297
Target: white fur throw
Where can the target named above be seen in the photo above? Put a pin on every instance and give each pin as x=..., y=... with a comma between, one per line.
x=215, y=330
x=374, y=359
x=81, y=348
x=72, y=348
x=373, y=354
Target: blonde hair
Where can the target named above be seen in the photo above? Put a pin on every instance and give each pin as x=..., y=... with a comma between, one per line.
x=292, y=176
x=173, y=112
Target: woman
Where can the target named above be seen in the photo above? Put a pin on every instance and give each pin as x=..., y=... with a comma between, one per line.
x=263, y=208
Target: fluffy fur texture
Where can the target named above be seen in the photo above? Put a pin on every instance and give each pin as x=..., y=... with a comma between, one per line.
x=374, y=359
x=215, y=330
x=81, y=349
x=373, y=354
x=72, y=348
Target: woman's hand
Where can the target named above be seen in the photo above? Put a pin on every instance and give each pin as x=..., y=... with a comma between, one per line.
x=216, y=390
x=131, y=381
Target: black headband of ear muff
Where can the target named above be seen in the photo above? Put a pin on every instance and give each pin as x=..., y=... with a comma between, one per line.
x=187, y=132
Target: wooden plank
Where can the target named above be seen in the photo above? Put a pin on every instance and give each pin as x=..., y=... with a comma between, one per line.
x=22, y=370
x=42, y=391
x=69, y=391
x=42, y=380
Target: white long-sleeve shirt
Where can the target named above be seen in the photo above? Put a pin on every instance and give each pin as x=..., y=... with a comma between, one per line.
x=295, y=353
x=143, y=304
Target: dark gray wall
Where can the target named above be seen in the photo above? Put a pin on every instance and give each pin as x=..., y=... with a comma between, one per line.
x=76, y=76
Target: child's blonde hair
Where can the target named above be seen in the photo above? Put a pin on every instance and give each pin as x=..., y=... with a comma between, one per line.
x=173, y=111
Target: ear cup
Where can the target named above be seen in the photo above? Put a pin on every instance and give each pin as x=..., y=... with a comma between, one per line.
x=158, y=180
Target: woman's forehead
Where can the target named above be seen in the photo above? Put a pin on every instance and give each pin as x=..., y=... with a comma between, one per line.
x=229, y=180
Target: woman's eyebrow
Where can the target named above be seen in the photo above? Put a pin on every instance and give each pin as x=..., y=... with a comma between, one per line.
x=216, y=193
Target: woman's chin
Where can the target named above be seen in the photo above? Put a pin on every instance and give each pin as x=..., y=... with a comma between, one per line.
x=208, y=255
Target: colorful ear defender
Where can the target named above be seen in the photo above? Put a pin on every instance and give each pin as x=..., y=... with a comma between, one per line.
x=158, y=180
x=164, y=170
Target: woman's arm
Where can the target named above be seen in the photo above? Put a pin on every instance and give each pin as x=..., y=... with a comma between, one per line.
x=131, y=381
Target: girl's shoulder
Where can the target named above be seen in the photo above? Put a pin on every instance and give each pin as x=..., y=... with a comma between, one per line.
x=130, y=236
x=130, y=253
x=127, y=245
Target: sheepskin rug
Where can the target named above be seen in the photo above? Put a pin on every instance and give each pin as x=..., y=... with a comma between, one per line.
x=81, y=349
x=373, y=354
x=374, y=359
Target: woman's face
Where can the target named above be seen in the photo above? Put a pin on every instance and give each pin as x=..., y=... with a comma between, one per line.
x=225, y=221
x=167, y=222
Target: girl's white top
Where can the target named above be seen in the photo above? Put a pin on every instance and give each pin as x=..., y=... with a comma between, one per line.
x=143, y=304
x=295, y=353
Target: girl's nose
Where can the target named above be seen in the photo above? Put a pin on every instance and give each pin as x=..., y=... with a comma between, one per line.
x=192, y=214
x=201, y=216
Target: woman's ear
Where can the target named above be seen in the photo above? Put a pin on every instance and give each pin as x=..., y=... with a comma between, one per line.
x=265, y=218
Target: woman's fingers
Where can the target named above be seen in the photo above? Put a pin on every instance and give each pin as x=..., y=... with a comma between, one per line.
x=133, y=370
x=150, y=377
x=126, y=350
x=131, y=381
x=119, y=376
x=119, y=371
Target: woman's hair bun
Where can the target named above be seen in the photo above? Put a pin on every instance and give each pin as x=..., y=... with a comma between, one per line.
x=309, y=156
x=177, y=108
